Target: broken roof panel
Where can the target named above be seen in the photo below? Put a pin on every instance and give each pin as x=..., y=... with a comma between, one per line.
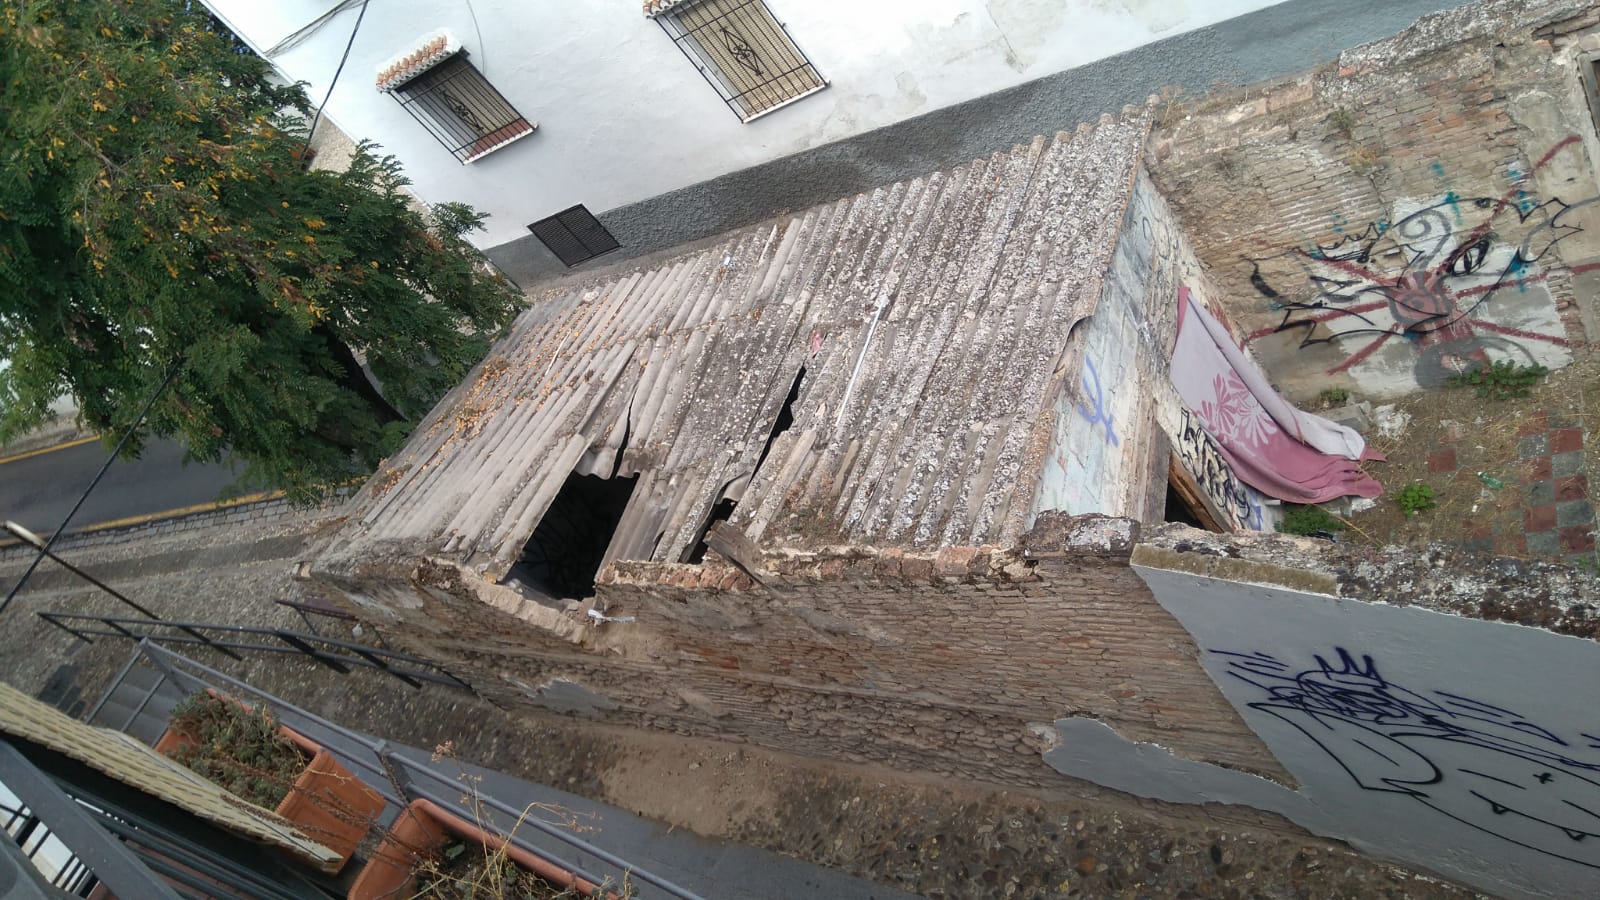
x=928, y=319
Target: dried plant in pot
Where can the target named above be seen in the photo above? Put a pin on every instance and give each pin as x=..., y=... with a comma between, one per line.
x=248, y=753
x=434, y=853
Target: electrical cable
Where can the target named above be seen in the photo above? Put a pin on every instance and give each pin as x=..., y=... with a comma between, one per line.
x=483, y=57
x=171, y=374
x=336, y=73
x=305, y=31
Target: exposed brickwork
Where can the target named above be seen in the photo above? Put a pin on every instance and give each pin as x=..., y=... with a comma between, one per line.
x=926, y=661
x=1468, y=115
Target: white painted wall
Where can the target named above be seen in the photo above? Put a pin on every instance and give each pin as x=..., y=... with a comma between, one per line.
x=1103, y=458
x=623, y=116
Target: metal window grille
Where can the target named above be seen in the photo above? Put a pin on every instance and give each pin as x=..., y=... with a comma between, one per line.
x=744, y=52
x=574, y=235
x=462, y=109
x=1589, y=70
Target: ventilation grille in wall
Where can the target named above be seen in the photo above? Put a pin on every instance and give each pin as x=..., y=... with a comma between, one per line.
x=574, y=235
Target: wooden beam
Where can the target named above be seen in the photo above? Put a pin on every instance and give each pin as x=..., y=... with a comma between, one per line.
x=738, y=549
x=1193, y=497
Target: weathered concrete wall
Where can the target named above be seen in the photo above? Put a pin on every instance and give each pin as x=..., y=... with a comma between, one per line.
x=1103, y=457
x=1422, y=204
x=1119, y=422
x=1466, y=746
x=954, y=662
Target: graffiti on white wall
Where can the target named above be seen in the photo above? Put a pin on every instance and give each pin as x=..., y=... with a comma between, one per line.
x=1104, y=415
x=1239, y=503
x=1481, y=764
x=1434, y=740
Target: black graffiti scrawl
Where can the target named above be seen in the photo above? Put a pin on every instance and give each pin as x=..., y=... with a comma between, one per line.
x=1449, y=278
x=1479, y=763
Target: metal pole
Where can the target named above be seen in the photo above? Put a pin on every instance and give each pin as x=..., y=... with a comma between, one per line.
x=44, y=550
x=171, y=374
x=117, y=867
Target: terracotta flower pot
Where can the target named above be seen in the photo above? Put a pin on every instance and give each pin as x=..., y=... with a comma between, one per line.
x=423, y=828
x=326, y=802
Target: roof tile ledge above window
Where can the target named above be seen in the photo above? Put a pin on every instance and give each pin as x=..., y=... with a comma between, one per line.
x=426, y=52
x=653, y=8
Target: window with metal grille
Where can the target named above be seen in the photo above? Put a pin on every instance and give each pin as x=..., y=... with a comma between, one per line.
x=1589, y=70
x=744, y=52
x=462, y=109
x=574, y=235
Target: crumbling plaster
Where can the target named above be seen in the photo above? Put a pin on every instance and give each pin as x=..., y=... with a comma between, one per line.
x=1412, y=731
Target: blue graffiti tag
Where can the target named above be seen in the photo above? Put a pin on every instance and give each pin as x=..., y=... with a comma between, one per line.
x=1096, y=396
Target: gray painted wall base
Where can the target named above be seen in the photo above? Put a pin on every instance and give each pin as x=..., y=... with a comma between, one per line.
x=1272, y=43
x=1466, y=747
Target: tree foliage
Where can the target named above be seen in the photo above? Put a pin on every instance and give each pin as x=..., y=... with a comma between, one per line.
x=156, y=212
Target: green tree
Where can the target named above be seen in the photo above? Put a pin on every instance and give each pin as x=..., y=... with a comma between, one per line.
x=156, y=212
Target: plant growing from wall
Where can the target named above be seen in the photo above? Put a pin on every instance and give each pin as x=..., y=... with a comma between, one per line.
x=1342, y=121
x=156, y=211
x=1414, y=498
x=1309, y=520
x=1363, y=161
x=239, y=749
x=1501, y=380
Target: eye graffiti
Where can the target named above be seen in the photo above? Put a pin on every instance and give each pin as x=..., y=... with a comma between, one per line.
x=1451, y=278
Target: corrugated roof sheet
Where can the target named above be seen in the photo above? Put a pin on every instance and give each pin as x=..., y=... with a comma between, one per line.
x=930, y=317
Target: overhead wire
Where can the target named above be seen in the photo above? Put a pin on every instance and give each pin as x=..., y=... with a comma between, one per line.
x=317, y=117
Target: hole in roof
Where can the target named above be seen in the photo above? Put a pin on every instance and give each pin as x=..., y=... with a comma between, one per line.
x=1179, y=509
x=723, y=508
x=562, y=557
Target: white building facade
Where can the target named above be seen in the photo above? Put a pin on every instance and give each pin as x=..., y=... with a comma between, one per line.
x=527, y=108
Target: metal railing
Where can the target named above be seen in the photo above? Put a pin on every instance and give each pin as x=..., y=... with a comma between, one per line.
x=335, y=654
x=744, y=52
x=401, y=779
x=461, y=109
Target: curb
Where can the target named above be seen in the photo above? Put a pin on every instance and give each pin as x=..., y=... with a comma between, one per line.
x=255, y=508
x=58, y=433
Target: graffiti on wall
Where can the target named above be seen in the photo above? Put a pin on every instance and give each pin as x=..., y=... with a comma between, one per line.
x=1203, y=458
x=1456, y=280
x=1478, y=763
x=1096, y=411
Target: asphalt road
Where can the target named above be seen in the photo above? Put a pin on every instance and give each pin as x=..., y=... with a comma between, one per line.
x=38, y=490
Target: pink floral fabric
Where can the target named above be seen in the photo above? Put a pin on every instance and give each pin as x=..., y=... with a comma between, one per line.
x=1280, y=451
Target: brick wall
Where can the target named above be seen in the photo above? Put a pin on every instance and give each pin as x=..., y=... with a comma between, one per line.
x=935, y=662
x=1363, y=223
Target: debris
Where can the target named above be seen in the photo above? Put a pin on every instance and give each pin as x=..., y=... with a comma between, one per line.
x=601, y=618
x=1493, y=483
x=1390, y=422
